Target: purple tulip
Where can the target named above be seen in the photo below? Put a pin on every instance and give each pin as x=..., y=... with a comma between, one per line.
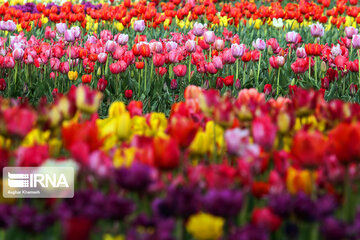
x=18, y=54
x=171, y=45
x=259, y=44
x=356, y=41
x=209, y=37
x=61, y=28
x=122, y=39
x=110, y=46
x=291, y=37
x=317, y=30
x=224, y=203
x=139, y=25
x=198, y=29
x=237, y=50
x=350, y=32
x=69, y=36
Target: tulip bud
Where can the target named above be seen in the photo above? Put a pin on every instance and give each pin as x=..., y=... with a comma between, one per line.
x=52, y=75
x=251, y=73
x=206, y=84
x=102, y=84
x=165, y=87
x=292, y=81
x=2, y=84
x=269, y=50
x=323, y=66
x=99, y=71
x=219, y=83
x=237, y=84
x=173, y=84
x=353, y=89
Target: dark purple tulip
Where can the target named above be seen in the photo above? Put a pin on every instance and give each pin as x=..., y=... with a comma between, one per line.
x=333, y=229
x=225, y=203
x=85, y=203
x=326, y=206
x=159, y=229
x=305, y=208
x=281, y=204
x=117, y=208
x=180, y=201
x=138, y=177
x=27, y=218
x=6, y=215
x=250, y=232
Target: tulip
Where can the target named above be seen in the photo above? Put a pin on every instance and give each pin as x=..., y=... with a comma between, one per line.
x=76, y=31
x=18, y=54
x=219, y=82
x=350, y=32
x=102, y=57
x=217, y=61
x=190, y=46
x=265, y=218
x=156, y=47
x=2, y=84
x=128, y=93
x=167, y=153
x=317, y=30
x=237, y=50
x=61, y=28
x=123, y=39
x=291, y=37
x=219, y=44
x=86, y=78
x=259, y=44
x=198, y=29
x=210, y=68
x=267, y=89
x=171, y=45
x=72, y=75
x=139, y=25
x=102, y=84
x=69, y=36
x=356, y=41
x=301, y=65
x=301, y=53
x=173, y=84
x=110, y=46
x=336, y=50
x=180, y=70
x=158, y=60
x=277, y=22
x=209, y=37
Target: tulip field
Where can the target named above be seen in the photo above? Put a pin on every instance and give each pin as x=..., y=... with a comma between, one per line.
x=183, y=119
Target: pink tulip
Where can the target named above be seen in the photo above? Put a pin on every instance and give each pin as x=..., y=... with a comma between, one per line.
x=110, y=46
x=238, y=50
x=156, y=47
x=69, y=36
x=198, y=29
x=218, y=64
x=350, y=32
x=291, y=37
x=190, y=46
x=259, y=44
x=171, y=45
x=61, y=28
x=139, y=25
x=102, y=57
x=18, y=54
x=209, y=37
x=180, y=70
x=317, y=30
x=356, y=41
x=122, y=39
x=301, y=53
x=219, y=44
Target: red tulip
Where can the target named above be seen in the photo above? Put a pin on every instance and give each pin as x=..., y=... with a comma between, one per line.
x=139, y=65
x=265, y=218
x=180, y=70
x=166, y=153
x=158, y=60
x=308, y=149
x=267, y=89
x=86, y=78
x=229, y=80
x=102, y=84
x=273, y=62
x=301, y=65
x=128, y=93
x=2, y=84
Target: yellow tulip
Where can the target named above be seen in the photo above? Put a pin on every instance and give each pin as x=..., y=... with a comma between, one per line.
x=72, y=75
x=124, y=157
x=110, y=237
x=204, y=226
x=299, y=181
x=36, y=137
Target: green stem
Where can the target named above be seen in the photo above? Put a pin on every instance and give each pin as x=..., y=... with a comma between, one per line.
x=278, y=83
x=209, y=58
x=151, y=72
x=315, y=72
x=237, y=70
x=189, y=68
x=309, y=67
x=258, y=73
x=244, y=70
x=145, y=67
